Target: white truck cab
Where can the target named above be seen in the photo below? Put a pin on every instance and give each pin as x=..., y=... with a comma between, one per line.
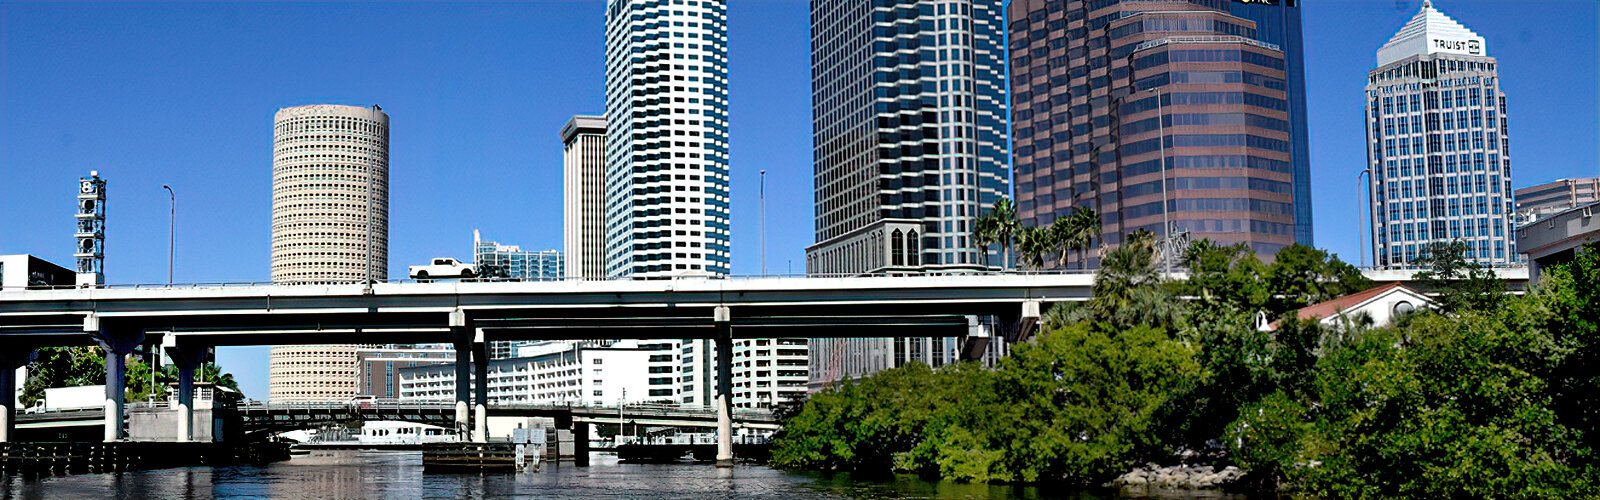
x=443, y=267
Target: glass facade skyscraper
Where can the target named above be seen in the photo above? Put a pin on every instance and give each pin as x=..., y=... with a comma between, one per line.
x=666, y=146
x=1437, y=146
x=908, y=115
x=1278, y=23
x=908, y=120
x=1148, y=111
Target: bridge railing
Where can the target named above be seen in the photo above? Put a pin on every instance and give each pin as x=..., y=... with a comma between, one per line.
x=748, y=277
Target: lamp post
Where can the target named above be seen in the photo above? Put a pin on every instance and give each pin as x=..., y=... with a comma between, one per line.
x=1361, y=244
x=763, y=222
x=172, y=228
x=172, y=225
x=1166, y=221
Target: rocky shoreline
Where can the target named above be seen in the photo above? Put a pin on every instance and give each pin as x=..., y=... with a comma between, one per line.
x=1179, y=477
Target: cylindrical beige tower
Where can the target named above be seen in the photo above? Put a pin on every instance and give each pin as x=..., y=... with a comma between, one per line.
x=330, y=224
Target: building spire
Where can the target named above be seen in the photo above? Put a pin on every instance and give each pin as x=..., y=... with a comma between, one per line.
x=1427, y=4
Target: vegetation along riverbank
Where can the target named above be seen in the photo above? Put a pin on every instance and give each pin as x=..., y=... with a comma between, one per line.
x=1484, y=394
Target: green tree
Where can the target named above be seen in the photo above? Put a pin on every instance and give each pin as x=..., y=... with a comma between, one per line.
x=1301, y=276
x=1032, y=245
x=999, y=226
x=62, y=367
x=1444, y=407
x=1266, y=438
x=1086, y=403
x=1570, y=292
x=1458, y=284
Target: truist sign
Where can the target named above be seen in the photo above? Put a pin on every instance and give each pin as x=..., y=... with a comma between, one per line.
x=1456, y=46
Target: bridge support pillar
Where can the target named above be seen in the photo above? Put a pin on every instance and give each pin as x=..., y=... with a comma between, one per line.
x=724, y=322
x=480, y=390
x=187, y=357
x=580, y=444
x=10, y=360
x=117, y=345
x=463, y=344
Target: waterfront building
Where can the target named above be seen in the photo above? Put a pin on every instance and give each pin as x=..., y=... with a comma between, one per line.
x=666, y=145
x=555, y=372
x=1151, y=111
x=378, y=366
x=1438, y=152
x=769, y=371
x=908, y=115
x=330, y=212
x=1537, y=201
x=909, y=147
x=583, y=141
x=510, y=262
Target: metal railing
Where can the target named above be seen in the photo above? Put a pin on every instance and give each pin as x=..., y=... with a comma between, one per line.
x=251, y=284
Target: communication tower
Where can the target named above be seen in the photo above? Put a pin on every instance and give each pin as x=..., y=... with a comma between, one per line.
x=91, y=249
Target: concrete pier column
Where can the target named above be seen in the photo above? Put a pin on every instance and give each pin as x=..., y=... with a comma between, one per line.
x=724, y=323
x=580, y=444
x=117, y=345
x=480, y=389
x=187, y=357
x=11, y=359
x=463, y=345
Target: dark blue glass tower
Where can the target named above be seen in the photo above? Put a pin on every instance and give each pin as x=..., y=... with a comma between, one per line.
x=1278, y=23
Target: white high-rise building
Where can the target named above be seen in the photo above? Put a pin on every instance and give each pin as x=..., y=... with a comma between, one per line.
x=1437, y=146
x=330, y=213
x=667, y=179
x=583, y=193
x=666, y=186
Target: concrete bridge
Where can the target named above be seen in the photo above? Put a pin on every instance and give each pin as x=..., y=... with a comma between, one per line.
x=262, y=418
x=187, y=320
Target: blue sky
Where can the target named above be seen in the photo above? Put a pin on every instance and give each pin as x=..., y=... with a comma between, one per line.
x=183, y=93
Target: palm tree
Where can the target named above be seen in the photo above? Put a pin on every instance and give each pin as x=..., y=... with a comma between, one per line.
x=1085, y=224
x=1032, y=244
x=1063, y=237
x=983, y=234
x=1005, y=228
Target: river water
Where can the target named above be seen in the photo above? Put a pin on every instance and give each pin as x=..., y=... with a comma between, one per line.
x=378, y=474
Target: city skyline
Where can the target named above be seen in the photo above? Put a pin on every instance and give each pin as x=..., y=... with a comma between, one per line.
x=221, y=172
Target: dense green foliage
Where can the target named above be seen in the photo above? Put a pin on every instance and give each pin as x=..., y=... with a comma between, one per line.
x=86, y=365
x=1488, y=395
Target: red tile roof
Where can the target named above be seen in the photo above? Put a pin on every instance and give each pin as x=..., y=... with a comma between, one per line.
x=1335, y=306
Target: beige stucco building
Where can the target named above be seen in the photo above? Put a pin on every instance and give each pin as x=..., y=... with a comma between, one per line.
x=330, y=214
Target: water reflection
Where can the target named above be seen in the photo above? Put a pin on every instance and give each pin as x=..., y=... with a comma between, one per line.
x=368, y=474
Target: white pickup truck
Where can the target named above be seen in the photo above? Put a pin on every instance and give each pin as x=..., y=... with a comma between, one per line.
x=443, y=268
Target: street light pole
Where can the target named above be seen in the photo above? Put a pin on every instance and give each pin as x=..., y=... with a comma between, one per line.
x=172, y=228
x=172, y=225
x=763, y=222
x=1361, y=244
x=1166, y=222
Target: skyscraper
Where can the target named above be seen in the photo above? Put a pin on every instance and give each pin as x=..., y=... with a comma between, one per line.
x=1437, y=147
x=583, y=192
x=908, y=114
x=330, y=213
x=1149, y=111
x=666, y=161
x=1278, y=23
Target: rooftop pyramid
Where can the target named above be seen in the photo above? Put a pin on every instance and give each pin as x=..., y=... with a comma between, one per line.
x=1429, y=32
